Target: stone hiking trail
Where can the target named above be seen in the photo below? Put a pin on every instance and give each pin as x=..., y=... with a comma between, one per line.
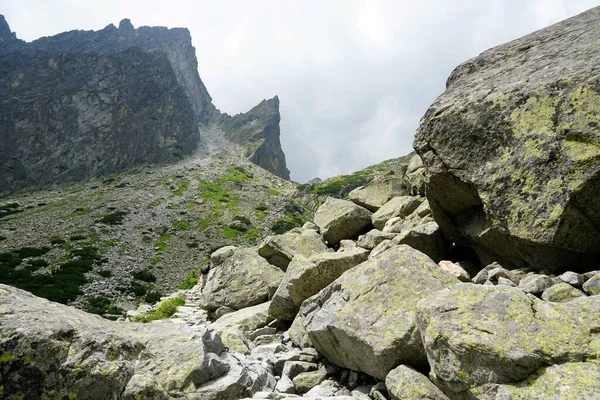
x=470, y=273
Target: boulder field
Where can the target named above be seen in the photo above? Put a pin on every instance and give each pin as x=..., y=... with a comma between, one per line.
x=473, y=275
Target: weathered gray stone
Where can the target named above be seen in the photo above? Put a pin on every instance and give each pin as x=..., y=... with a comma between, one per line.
x=371, y=239
x=455, y=270
x=329, y=389
x=219, y=255
x=476, y=334
x=404, y=383
x=381, y=247
x=292, y=368
x=561, y=293
x=415, y=178
x=285, y=385
x=507, y=282
x=401, y=206
x=576, y=380
x=347, y=245
x=306, y=277
x=279, y=250
x=535, y=284
x=379, y=191
x=426, y=238
x=60, y=351
x=298, y=334
x=244, y=279
x=572, y=278
x=305, y=381
x=341, y=219
x=511, y=154
x=365, y=320
x=592, y=285
x=235, y=327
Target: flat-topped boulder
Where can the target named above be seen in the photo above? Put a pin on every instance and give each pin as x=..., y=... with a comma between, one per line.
x=341, y=219
x=279, y=250
x=366, y=319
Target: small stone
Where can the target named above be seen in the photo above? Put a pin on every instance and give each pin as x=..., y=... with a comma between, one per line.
x=590, y=274
x=535, y=284
x=455, y=270
x=504, y=281
x=305, y=381
x=572, y=278
x=292, y=368
x=285, y=385
x=592, y=286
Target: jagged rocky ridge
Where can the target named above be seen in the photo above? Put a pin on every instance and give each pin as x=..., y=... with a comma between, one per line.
x=84, y=104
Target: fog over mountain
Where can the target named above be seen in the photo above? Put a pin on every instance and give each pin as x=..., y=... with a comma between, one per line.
x=353, y=77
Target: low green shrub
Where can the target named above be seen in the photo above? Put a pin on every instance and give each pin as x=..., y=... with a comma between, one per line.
x=164, y=310
x=77, y=237
x=189, y=282
x=145, y=276
x=153, y=296
x=115, y=218
x=105, y=273
x=26, y=252
x=57, y=240
x=101, y=305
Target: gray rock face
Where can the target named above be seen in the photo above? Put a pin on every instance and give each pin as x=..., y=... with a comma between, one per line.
x=279, y=250
x=561, y=293
x=400, y=206
x=53, y=351
x=244, y=279
x=378, y=192
x=84, y=104
x=258, y=131
x=306, y=277
x=404, y=383
x=366, y=321
x=341, y=219
x=478, y=334
x=511, y=150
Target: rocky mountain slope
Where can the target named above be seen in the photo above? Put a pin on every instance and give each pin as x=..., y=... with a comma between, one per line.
x=419, y=285
x=85, y=104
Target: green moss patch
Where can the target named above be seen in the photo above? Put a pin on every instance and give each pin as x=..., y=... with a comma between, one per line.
x=115, y=218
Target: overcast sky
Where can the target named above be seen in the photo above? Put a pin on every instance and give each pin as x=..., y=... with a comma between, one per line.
x=353, y=76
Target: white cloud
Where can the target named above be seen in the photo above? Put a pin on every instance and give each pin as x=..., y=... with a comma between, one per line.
x=354, y=76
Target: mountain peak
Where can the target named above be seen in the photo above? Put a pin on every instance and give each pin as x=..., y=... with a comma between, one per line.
x=125, y=26
x=5, y=32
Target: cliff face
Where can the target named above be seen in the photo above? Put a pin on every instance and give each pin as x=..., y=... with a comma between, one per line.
x=83, y=104
x=258, y=131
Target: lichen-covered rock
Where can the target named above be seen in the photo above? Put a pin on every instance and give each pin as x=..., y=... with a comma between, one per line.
x=561, y=293
x=415, y=177
x=381, y=247
x=234, y=326
x=280, y=249
x=592, y=285
x=404, y=383
x=306, y=277
x=535, y=284
x=478, y=334
x=572, y=278
x=426, y=238
x=400, y=206
x=577, y=380
x=298, y=334
x=219, y=255
x=365, y=320
x=244, y=279
x=305, y=381
x=341, y=219
x=511, y=149
x=49, y=350
x=371, y=239
x=378, y=192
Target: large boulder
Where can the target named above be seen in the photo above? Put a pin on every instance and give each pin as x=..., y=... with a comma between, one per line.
x=512, y=149
x=280, y=249
x=49, y=350
x=480, y=334
x=244, y=279
x=378, y=192
x=366, y=319
x=578, y=380
x=401, y=206
x=415, y=177
x=341, y=219
x=236, y=327
x=306, y=277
